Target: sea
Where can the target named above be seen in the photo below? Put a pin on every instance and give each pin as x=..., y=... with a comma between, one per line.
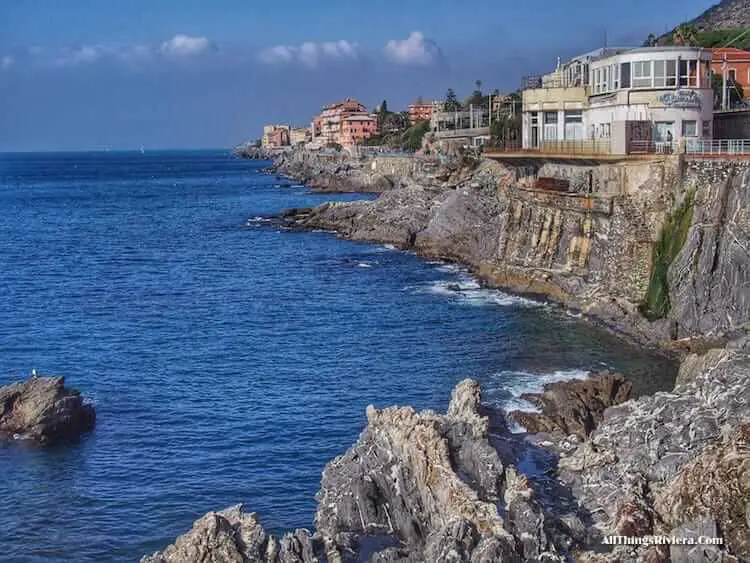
x=228, y=358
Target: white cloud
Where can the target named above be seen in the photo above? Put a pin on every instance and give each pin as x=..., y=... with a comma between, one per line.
x=184, y=45
x=6, y=61
x=86, y=54
x=414, y=50
x=310, y=54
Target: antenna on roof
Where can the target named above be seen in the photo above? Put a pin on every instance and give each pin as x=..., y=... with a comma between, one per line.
x=605, y=38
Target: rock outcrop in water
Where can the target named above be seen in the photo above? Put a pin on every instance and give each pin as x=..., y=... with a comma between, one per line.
x=44, y=410
x=573, y=407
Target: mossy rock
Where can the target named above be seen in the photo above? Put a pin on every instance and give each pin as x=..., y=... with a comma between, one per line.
x=656, y=304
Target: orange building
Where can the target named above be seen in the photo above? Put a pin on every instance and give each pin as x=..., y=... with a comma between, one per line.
x=347, y=123
x=420, y=111
x=738, y=65
x=275, y=136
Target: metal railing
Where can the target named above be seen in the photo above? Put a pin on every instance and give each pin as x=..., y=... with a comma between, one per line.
x=652, y=147
x=465, y=132
x=718, y=147
x=552, y=80
x=573, y=147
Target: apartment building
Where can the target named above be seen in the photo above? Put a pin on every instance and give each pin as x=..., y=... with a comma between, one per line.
x=346, y=123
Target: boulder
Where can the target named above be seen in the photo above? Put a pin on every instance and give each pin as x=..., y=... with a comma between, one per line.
x=574, y=407
x=44, y=410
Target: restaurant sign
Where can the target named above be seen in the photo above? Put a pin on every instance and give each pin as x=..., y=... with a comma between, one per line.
x=681, y=99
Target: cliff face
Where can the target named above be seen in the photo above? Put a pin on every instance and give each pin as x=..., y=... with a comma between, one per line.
x=668, y=238
x=664, y=238
x=709, y=280
x=726, y=14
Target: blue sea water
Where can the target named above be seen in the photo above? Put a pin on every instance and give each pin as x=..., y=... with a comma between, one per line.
x=228, y=360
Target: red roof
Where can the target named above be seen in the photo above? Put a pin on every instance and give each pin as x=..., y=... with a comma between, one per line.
x=730, y=53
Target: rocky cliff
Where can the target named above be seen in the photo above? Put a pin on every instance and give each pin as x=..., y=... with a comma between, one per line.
x=420, y=487
x=656, y=249
x=726, y=14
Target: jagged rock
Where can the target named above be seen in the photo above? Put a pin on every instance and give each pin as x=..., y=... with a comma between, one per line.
x=715, y=487
x=574, y=407
x=643, y=445
x=43, y=409
x=413, y=475
x=709, y=279
x=234, y=536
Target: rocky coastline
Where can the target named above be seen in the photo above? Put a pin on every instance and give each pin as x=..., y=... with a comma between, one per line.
x=460, y=486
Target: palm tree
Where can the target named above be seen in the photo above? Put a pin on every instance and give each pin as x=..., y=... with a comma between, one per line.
x=685, y=35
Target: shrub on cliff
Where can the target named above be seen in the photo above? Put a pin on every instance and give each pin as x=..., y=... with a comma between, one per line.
x=656, y=304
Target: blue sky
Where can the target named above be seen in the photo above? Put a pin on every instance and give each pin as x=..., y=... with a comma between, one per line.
x=90, y=74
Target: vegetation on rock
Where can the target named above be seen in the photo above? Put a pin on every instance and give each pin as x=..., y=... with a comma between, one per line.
x=674, y=233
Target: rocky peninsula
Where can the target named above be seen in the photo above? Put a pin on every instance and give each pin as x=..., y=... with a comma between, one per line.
x=42, y=409
x=656, y=250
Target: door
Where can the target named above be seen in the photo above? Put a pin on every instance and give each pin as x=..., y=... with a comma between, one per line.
x=664, y=136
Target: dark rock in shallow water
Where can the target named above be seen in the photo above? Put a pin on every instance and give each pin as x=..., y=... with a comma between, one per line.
x=574, y=407
x=43, y=409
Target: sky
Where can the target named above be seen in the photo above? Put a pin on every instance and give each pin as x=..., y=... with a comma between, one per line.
x=120, y=74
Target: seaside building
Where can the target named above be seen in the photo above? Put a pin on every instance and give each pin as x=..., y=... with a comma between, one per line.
x=346, y=123
x=420, y=111
x=736, y=64
x=620, y=101
x=275, y=136
x=299, y=136
x=465, y=127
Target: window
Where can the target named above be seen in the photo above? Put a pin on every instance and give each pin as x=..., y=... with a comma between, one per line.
x=615, y=73
x=574, y=125
x=689, y=73
x=641, y=74
x=671, y=78
x=550, y=125
x=660, y=75
x=625, y=75
x=690, y=128
x=707, y=130
x=733, y=75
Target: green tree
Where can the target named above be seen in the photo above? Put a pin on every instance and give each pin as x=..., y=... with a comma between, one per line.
x=412, y=138
x=685, y=35
x=477, y=99
x=650, y=41
x=451, y=101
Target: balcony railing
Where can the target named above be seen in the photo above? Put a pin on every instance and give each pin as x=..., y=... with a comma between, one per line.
x=554, y=80
x=718, y=147
x=451, y=133
x=653, y=147
x=582, y=147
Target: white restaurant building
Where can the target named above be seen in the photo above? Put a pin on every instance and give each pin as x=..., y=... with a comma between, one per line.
x=621, y=101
